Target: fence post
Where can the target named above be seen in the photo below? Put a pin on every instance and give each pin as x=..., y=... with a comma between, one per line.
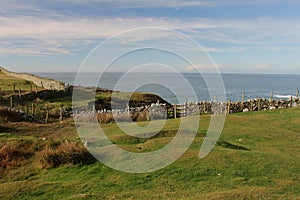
x=26, y=110
x=32, y=109
x=47, y=116
x=215, y=98
x=297, y=94
x=11, y=102
x=243, y=97
x=291, y=102
x=128, y=109
x=186, y=107
x=42, y=84
x=19, y=90
x=258, y=105
x=271, y=96
x=61, y=114
x=175, y=111
x=228, y=106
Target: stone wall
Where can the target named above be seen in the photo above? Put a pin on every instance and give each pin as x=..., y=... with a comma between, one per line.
x=49, y=84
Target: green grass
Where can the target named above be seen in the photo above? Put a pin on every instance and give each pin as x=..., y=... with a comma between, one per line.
x=266, y=167
x=7, y=83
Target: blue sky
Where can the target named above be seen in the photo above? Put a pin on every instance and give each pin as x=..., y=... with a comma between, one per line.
x=258, y=36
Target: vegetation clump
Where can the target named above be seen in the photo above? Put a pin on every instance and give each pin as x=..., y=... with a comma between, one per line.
x=65, y=153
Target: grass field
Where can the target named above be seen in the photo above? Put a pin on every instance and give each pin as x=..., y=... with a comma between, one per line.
x=257, y=157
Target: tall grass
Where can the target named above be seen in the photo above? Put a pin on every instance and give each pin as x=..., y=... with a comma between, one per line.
x=65, y=153
x=15, y=154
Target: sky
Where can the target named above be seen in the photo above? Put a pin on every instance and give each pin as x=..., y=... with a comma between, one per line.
x=237, y=36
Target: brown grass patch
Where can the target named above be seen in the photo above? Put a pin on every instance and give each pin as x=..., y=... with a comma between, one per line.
x=12, y=156
x=65, y=153
x=285, y=182
x=240, y=193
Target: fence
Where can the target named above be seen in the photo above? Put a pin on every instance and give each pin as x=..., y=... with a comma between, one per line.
x=17, y=106
x=155, y=110
x=162, y=111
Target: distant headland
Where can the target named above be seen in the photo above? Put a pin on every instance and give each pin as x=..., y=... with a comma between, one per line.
x=39, y=81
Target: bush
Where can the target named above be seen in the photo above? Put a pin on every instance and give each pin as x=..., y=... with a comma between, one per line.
x=65, y=153
x=12, y=156
x=105, y=118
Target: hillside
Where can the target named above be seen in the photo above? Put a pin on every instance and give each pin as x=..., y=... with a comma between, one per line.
x=38, y=96
x=39, y=81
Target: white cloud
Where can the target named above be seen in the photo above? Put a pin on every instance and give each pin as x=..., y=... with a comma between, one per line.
x=267, y=67
x=59, y=34
x=147, y=3
x=203, y=67
x=175, y=3
x=224, y=50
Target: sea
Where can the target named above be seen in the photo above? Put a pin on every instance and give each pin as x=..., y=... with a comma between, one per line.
x=189, y=86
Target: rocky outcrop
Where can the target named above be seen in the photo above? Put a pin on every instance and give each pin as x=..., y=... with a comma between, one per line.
x=49, y=84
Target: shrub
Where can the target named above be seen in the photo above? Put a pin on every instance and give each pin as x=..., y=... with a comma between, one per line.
x=12, y=156
x=66, y=153
x=105, y=118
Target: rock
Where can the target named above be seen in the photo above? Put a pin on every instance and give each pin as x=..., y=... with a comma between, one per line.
x=246, y=110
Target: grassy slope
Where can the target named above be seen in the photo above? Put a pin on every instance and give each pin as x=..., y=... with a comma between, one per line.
x=270, y=170
x=7, y=83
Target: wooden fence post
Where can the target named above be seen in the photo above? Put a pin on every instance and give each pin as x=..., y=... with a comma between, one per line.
x=47, y=116
x=228, y=106
x=11, y=102
x=291, y=102
x=61, y=114
x=243, y=97
x=186, y=108
x=32, y=109
x=175, y=111
x=258, y=105
x=297, y=94
x=26, y=110
x=128, y=109
x=19, y=91
x=215, y=98
x=271, y=96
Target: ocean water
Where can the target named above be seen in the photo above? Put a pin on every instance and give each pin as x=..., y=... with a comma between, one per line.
x=174, y=90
